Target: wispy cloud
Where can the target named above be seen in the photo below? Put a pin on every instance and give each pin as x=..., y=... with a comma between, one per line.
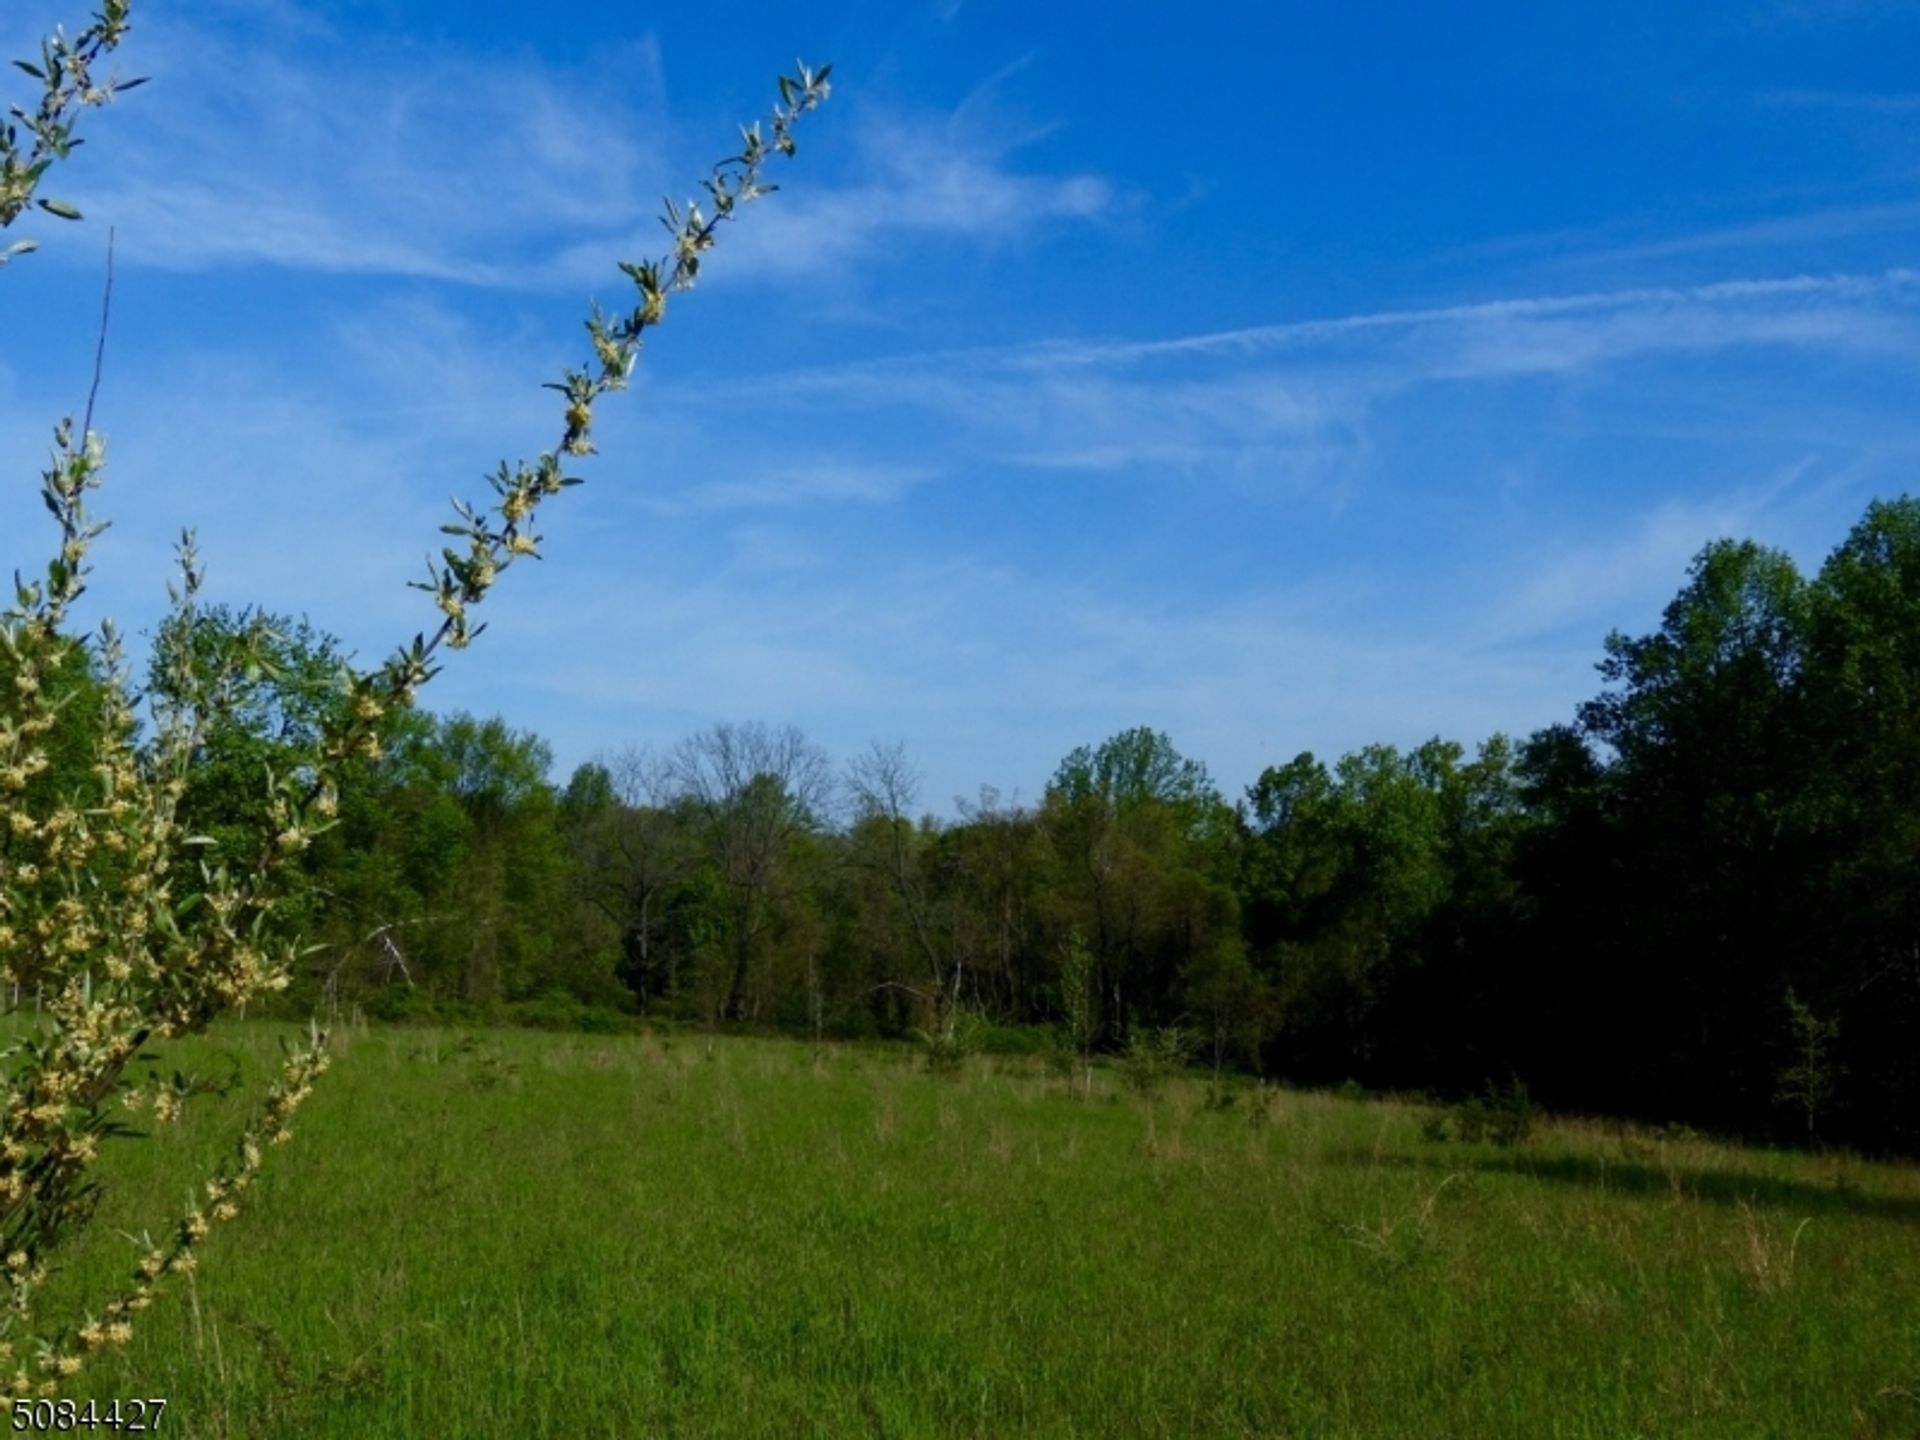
x=1293, y=399
x=778, y=486
x=761, y=588
x=1585, y=580
x=281, y=144
x=277, y=143
x=1753, y=297
x=923, y=178
x=1782, y=234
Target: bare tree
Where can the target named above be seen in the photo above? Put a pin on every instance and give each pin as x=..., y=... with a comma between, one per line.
x=634, y=847
x=884, y=788
x=994, y=879
x=754, y=790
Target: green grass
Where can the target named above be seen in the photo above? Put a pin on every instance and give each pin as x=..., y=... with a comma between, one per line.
x=513, y=1234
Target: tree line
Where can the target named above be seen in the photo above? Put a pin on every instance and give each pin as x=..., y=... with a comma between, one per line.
x=1696, y=900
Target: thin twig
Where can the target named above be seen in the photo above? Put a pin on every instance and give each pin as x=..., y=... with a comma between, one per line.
x=100, y=348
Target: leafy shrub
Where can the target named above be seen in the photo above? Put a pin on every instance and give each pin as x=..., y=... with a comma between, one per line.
x=1151, y=1056
x=412, y=1005
x=995, y=1039
x=563, y=1010
x=1504, y=1115
x=947, y=1044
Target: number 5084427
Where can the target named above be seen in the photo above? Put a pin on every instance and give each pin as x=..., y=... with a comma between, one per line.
x=64, y=1417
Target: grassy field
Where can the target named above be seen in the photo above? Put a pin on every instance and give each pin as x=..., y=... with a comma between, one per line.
x=516, y=1234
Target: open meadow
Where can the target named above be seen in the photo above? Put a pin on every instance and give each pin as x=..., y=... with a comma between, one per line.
x=509, y=1233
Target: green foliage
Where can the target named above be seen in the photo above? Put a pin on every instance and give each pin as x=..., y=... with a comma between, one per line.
x=1135, y=767
x=1808, y=1080
x=1368, y=889
x=948, y=1044
x=1154, y=1056
x=993, y=1038
x=1503, y=1115
x=1413, y=919
x=1138, y=858
x=562, y=1010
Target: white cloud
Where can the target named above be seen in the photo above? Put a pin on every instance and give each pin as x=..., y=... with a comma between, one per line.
x=292, y=148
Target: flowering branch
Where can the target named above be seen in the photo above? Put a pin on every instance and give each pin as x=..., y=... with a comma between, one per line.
x=65, y=72
x=89, y=918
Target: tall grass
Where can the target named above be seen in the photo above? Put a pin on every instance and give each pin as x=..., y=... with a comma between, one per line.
x=508, y=1234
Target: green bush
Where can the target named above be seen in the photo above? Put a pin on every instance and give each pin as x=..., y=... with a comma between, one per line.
x=995, y=1039
x=1152, y=1056
x=563, y=1010
x=1504, y=1115
x=947, y=1044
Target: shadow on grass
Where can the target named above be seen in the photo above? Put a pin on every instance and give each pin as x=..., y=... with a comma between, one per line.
x=1634, y=1177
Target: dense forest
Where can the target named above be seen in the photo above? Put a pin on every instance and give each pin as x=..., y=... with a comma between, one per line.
x=1697, y=900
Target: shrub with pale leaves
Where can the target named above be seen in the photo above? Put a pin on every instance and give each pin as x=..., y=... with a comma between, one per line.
x=131, y=932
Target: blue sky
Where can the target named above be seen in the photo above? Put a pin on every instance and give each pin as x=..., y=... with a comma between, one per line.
x=1282, y=377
